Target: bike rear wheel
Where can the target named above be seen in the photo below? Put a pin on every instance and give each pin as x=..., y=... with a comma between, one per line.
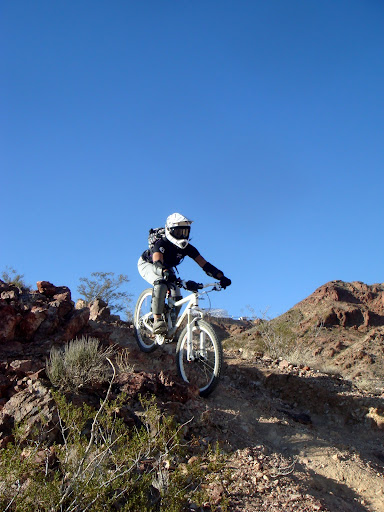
x=144, y=337
x=204, y=368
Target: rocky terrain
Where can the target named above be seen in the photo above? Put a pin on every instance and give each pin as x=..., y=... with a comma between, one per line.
x=303, y=432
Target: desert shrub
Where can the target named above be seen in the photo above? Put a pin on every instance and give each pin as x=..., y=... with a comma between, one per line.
x=276, y=337
x=10, y=276
x=107, y=466
x=123, y=361
x=106, y=286
x=82, y=362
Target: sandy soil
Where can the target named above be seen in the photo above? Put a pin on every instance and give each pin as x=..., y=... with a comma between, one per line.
x=300, y=441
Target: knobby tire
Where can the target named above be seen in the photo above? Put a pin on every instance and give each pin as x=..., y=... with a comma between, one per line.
x=145, y=339
x=204, y=371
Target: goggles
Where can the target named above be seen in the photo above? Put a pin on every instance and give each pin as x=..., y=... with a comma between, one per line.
x=180, y=232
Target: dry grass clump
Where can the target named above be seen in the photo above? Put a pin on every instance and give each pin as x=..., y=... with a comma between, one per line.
x=123, y=361
x=82, y=362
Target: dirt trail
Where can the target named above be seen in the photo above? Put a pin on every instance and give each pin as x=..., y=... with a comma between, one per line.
x=343, y=460
x=314, y=424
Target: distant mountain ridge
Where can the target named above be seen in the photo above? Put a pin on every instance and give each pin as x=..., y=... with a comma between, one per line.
x=339, y=303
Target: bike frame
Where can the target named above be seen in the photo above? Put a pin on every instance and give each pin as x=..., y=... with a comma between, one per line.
x=192, y=302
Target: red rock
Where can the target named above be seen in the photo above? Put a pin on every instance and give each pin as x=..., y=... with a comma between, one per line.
x=9, y=319
x=32, y=321
x=46, y=288
x=21, y=367
x=75, y=324
x=50, y=324
x=36, y=408
x=99, y=310
x=4, y=386
x=9, y=295
x=63, y=306
x=50, y=290
x=64, y=296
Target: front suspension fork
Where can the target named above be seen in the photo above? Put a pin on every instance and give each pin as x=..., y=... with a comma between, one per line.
x=191, y=326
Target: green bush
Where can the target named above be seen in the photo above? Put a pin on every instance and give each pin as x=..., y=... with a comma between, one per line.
x=106, y=466
x=10, y=276
x=105, y=286
x=81, y=363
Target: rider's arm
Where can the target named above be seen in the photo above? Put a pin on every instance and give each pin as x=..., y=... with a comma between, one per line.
x=157, y=256
x=209, y=269
x=158, y=263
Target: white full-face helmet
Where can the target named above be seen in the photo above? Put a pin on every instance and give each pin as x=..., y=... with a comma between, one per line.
x=177, y=229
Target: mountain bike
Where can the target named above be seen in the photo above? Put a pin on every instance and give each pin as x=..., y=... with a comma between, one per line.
x=199, y=353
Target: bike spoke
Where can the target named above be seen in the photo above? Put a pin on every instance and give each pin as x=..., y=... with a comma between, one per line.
x=206, y=365
x=201, y=369
x=145, y=338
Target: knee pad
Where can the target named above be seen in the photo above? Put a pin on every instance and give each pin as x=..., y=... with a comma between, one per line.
x=158, y=297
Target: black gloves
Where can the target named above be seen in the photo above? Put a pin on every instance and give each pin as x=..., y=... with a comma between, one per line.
x=212, y=271
x=192, y=286
x=169, y=276
x=224, y=282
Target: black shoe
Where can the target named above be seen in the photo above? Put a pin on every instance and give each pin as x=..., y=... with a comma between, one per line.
x=159, y=327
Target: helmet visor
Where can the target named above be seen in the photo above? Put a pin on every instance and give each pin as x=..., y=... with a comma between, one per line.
x=180, y=232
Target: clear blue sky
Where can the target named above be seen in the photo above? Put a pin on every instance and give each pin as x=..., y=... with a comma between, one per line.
x=263, y=121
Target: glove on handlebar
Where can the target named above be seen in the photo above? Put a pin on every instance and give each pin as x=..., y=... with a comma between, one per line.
x=224, y=282
x=192, y=286
x=169, y=276
x=158, y=268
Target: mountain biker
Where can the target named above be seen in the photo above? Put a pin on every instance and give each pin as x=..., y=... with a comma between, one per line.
x=157, y=265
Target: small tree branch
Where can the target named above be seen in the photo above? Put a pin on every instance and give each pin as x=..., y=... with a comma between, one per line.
x=79, y=471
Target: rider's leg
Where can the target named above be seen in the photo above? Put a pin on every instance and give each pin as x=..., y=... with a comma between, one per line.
x=147, y=272
x=158, y=298
x=176, y=295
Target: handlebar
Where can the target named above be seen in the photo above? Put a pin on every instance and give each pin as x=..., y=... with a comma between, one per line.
x=216, y=286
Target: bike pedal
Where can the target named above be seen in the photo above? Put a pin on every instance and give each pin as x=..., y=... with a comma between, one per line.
x=160, y=339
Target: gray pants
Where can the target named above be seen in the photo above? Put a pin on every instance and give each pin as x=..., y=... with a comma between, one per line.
x=148, y=272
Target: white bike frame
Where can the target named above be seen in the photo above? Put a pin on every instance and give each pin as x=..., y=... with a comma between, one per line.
x=192, y=302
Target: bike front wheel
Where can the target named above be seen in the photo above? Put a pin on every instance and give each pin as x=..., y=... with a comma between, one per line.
x=142, y=316
x=203, y=366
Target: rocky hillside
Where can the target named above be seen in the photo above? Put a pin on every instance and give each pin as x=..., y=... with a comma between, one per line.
x=352, y=339
x=297, y=438
x=339, y=329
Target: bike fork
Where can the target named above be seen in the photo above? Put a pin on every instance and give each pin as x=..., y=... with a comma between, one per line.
x=202, y=348
x=189, y=338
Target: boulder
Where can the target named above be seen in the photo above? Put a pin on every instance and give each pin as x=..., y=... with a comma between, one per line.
x=35, y=408
x=8, y=291
x=23, y=367
x=99, y=310
x=50, y=323
x=5, y=384
x=50, y=290
x=32, y=321
x=63, y=306
x=165, y=387
x=9, y=319
x=81, y=304
x=74, y=324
